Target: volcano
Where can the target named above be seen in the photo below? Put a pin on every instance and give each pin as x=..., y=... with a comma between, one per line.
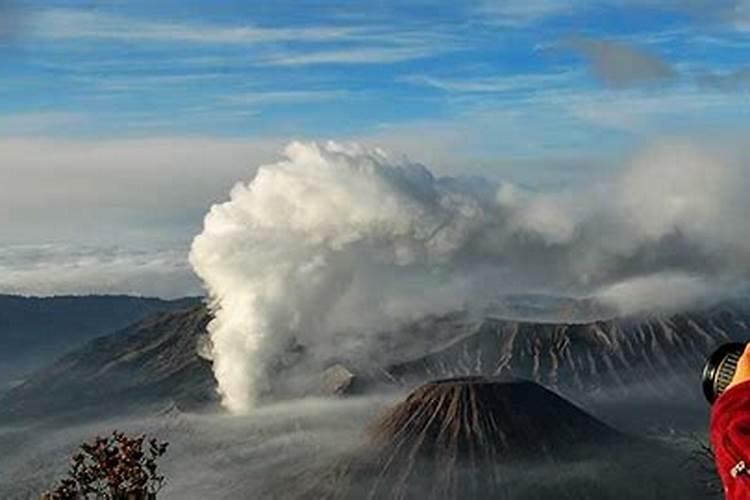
x=458, y=433
x=483, y=419
x=481, y=437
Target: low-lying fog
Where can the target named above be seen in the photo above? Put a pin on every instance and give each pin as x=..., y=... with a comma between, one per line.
x=210, y=455
x=274, y=452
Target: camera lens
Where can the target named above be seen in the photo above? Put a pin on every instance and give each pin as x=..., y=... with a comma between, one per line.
x=720, y=368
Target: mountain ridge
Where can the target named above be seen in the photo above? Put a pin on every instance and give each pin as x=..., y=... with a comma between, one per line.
x=157, y=360
x=148, y=362
x=35, y=330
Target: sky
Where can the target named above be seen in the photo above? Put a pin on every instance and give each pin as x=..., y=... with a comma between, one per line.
x=121, y=122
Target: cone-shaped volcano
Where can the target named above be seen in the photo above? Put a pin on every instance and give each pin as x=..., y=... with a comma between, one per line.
x=468, y=438
x=478, y=418
x=497, y=439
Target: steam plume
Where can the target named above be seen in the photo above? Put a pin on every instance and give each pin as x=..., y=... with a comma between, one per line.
x=323, y=251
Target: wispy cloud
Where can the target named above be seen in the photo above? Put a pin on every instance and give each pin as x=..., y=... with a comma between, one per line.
x=546, y=127
x=721, y=41
x=137, y=63
x=66, y=269
x=522, y=13
x=362, y=55
x=79, y=24
x=728, y=81
x=646, y=114
x=703, y=11
x=277, y=46
x=519, y=13
x=492, y=84
x=734, y=13
x=127, y=83
x=286, y=97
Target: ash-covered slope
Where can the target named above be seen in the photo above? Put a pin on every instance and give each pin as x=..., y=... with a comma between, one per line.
x=36, y=330
x=654, y=356
x=151, y=361
x=483, y=419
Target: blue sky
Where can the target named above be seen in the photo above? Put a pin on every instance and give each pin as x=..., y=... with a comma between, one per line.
x=238, y=69
x=122, y=121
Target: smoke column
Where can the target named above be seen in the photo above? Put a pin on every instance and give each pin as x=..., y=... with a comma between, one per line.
x=334, y=238
x=327, y=249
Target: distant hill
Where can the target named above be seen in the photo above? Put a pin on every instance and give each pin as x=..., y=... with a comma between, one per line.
x=151, y=361
x=36, y=330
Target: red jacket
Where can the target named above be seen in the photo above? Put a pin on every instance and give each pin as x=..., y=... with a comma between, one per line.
x=730, y=437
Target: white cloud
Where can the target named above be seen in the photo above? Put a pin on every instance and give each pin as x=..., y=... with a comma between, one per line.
x=662, y=292
x=132, y=190
x=69, y=269
x=153, y=193
x=645, y=113
x=21, y=124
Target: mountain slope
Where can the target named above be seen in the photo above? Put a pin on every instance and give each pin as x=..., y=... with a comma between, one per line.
x=151, y=361
x=617, y=357
x=35, y=330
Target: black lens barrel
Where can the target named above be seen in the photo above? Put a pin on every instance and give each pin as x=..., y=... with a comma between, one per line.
x=720, y=368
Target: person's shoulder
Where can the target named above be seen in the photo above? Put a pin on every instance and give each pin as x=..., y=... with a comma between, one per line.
x=730, y=438
x=736, y=396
